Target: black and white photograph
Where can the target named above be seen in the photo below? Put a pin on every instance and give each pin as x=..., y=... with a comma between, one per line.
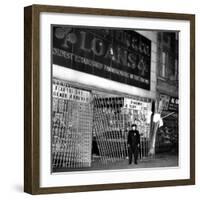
x=114, y=98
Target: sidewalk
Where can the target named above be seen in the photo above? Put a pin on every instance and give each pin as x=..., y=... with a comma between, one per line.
x=160, y=160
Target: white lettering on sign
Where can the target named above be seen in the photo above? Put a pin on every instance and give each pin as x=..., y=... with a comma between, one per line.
x=97, y=65
x=91, y=44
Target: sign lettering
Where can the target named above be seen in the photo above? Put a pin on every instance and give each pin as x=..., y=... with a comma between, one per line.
x=119, y=55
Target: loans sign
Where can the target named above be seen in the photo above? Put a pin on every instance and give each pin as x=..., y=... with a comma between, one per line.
x=118, y=55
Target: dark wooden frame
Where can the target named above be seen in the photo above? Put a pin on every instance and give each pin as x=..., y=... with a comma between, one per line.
x=32, y=106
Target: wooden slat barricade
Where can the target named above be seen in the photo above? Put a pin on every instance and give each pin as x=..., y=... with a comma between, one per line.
x=113, y=117
x=71, y=126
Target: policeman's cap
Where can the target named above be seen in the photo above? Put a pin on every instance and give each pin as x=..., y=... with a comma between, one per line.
x=134, y=125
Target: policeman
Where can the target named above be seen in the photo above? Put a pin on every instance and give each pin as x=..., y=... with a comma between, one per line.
x=133, y=143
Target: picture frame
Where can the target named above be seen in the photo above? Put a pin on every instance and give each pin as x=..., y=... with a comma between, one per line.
x=33, y=91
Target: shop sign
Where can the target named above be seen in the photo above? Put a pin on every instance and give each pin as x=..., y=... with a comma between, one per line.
x=70, y=93
x=123, y=56
x=136, y=104
x=169, y=103
x=173, y=104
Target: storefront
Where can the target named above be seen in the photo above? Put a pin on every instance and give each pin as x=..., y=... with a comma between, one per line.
x=101, y=84
x=167, y=140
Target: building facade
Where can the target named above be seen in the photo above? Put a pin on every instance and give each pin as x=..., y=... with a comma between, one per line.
x=103, y=80
x=168, y=90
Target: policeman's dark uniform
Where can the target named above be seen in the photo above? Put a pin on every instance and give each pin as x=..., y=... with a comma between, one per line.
x=133, y=141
